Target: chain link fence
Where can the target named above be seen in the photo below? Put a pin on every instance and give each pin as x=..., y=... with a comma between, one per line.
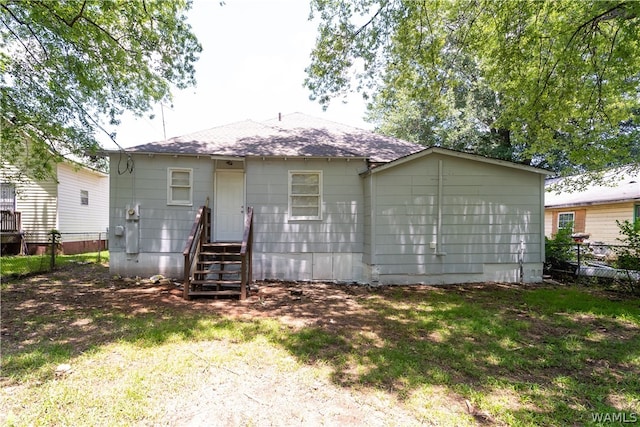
x=66, y=243
x=41, y=252
x=605, y=262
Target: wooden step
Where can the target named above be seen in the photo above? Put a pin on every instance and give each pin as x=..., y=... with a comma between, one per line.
x=216, y=282
x=210, y=262
x=223, y=244
x=229, y=248
x=225, y=292
x=220, y=254
x=217, y=272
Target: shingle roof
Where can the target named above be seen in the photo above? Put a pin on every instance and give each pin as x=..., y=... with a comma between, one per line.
x=619, y=184
x=295, y=135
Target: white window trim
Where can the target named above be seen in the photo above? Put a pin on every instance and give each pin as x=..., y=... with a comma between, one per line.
x=83, y=198
x=11, y=189
x=573, y=220
x=170, y=187
x=320, y=189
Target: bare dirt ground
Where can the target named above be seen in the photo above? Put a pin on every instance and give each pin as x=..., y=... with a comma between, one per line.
x=256, y=395
x=259, y=391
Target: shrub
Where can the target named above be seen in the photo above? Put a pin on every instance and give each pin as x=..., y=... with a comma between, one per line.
x=629, y=253
x=559, y=249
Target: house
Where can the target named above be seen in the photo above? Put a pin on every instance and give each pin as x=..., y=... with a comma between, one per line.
x=329, y=203
x=593, y=209
x=75, y=201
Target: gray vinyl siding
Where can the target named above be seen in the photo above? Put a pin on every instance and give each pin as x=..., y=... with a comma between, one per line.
x=379, y=227
x=486, y=211
x=162, y=229
x=341, y=226
x=329, y=248
x=326, y=249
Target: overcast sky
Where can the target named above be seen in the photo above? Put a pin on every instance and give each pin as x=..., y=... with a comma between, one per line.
x=251, y=67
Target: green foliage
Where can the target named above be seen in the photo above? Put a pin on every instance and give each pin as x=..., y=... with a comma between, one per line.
x=631, y=240
x=66, y=67
x=559, y=248
x=551, y=83
x=629, y=254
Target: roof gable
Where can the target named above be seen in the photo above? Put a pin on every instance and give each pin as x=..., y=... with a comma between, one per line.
x=459, y=154
x=293, y=135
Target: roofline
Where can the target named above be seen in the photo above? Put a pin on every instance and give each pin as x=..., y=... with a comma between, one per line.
x=231, y=157
x=280, y=156
x=599, y=202
x=86, y=168
x=173, y=154
x=453, y=153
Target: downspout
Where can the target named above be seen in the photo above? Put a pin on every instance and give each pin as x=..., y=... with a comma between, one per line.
x=438, y=248
x=375, y=272
x=521, y=261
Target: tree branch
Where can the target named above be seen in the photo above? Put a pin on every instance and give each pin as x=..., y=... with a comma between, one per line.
x=67, y=23
x=362, y=28
x=90, y=21
x=21, y=22
x=115, y=40
x=611, y=13
x=73, y=21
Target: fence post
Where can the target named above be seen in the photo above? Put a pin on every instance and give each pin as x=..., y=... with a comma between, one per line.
x=578, y=270
x=54, y=244
x=99, y=246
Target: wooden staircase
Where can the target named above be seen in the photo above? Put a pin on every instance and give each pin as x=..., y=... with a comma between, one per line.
x=218, y=270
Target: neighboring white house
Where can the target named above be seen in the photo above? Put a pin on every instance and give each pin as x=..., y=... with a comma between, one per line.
x=331, y=202
x=594, y=209
x=75, y=202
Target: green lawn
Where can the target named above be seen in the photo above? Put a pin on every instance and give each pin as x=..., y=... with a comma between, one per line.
x=11, y=266
x=451, y=356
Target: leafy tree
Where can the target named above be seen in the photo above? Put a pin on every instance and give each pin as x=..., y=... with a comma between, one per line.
x=552, y=83
x=67, y=66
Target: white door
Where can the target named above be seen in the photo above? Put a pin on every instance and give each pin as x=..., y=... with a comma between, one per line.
x=228, y=220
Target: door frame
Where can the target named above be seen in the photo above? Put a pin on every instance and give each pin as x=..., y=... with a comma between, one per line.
x=216, y=204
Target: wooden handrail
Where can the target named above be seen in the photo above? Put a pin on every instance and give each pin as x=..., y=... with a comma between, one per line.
x=10, y=221
x=200, y=232
x=248, y=226
x=246, y=253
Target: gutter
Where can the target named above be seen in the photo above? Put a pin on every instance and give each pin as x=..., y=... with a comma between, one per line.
x=600, y=202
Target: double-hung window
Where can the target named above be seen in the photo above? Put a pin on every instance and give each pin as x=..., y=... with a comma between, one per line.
x=180, y=186
x=566, y=219
x=305, y=195
x=84, y=197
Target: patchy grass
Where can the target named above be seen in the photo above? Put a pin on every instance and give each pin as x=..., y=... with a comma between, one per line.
x=129, y=380
x=522, y=357
x=461, y=355
x=14, y=266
